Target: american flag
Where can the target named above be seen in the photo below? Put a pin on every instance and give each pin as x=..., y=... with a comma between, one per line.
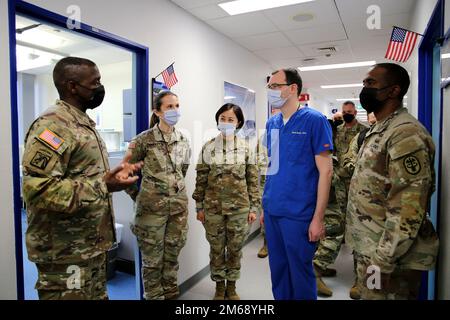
x=170, y=79
x=51, y=138
x=402, y=44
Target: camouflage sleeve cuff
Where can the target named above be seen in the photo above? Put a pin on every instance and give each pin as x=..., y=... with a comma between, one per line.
x=254, y=209
x=103, y=189
x=199, y=205
x=384, y=265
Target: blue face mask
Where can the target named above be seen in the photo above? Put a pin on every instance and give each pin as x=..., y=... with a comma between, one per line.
x=227, y=129
x=172, y=116
x=275, y=99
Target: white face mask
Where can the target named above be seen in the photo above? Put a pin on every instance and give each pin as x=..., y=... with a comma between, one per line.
x=227, y=129
x=275, y=99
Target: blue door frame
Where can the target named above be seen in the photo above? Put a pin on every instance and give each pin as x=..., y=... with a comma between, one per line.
x=429, y=97
x=142, y=98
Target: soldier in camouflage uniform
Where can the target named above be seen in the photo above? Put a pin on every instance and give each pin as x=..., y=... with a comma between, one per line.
x=344, y=135
x=66, y=188
x=262, y=161
x=350, y=157
x=227, y=199
x=387, y=222
x=160, y=222
x=329, y=247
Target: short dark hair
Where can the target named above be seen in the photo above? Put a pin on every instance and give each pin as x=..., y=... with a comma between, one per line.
x=349, y=102
x=396, y=75
x=292, y=77
x=65, y=70
x=237, y=111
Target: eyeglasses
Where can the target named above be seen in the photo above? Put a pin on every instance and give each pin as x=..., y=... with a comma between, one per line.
x=277, y=85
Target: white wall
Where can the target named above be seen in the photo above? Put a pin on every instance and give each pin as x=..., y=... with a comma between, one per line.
x=7, y=241
x=203, y=60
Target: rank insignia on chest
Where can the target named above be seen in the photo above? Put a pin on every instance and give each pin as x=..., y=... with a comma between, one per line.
x=51, y=139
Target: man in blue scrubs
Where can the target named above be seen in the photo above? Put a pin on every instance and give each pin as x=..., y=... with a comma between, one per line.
x=299, y=142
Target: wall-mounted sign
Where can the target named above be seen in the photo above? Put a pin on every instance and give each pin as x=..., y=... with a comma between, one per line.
x=304, y=97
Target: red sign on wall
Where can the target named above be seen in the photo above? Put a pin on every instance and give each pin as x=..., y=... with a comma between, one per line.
x=303, y=97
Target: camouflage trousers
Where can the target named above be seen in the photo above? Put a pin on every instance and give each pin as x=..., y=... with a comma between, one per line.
x=226, y=235
x=160, y=242
x=341, y=187
x=76, y=281
x=328, y=248
x=403, y=284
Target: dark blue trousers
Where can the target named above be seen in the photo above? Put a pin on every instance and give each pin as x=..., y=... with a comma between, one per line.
x=290, y=258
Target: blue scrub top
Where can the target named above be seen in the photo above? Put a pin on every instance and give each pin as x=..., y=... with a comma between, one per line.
x=292, y=177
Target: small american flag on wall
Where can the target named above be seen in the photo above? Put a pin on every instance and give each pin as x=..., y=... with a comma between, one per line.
x=170, y=79
x=401, y=45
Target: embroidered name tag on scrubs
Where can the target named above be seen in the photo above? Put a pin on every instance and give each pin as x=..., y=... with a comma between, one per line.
x=51, y=139
x=299, y=132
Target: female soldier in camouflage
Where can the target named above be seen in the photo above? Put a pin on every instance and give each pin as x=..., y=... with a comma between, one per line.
x=227, y=198
x=160, y=222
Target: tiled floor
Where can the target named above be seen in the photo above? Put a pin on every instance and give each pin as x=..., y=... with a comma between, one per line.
x=255, y=281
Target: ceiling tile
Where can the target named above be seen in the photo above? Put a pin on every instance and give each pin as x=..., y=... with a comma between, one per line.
x=209, y=12
x=243, y=25
x=189, y=4
x=279, y=53
x=323, y=12
x=356, y=11
x=342, y=48
x=264, y=41
x=330, y=32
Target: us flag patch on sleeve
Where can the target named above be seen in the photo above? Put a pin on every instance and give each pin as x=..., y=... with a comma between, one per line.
x=51, y=139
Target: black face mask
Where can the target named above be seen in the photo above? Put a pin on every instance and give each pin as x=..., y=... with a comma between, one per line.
x=98, y=94
x=348, y=117
x=369, y=101
x=337, y=123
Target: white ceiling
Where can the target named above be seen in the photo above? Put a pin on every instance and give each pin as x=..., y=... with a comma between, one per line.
x=67, y=43
x=276, y=38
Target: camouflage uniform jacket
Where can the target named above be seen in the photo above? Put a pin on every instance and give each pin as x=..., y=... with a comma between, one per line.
x=166, y=161
x=350, y=157
x=389, y=196
x=342, y=141
x=70, y=215
x=227, y=178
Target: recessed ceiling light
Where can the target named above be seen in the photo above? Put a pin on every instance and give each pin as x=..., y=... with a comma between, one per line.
x=229, y=97
x=244, y=6
x=338, y=66
x=446, y=56
x=303, y=17
x=338, y=86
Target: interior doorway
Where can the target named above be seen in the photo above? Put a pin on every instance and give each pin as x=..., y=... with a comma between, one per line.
x=39, y=39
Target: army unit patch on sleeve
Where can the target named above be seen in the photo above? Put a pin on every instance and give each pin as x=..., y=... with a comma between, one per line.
x=40, y=160
x=51, y=139
x=412, y=165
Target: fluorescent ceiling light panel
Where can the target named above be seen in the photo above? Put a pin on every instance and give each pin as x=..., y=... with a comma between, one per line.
x=40, y=37
x=339, y=86
x=338, y=66
x=245, y=6
x=446, y=56
x=30, y=58
x=229, y=97
x=350, y=99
